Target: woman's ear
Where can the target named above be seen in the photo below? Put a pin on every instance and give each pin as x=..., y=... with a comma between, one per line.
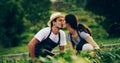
x=69, y=25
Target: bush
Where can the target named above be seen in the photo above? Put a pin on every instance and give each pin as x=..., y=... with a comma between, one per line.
x=111, y=56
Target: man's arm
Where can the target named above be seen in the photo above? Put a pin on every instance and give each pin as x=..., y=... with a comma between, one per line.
x=62, y=48
x=31, y=46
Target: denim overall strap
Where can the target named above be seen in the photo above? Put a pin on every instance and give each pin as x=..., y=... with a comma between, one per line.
x=81, y=43
x=46, y=44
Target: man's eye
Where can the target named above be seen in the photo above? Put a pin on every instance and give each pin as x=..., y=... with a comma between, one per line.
x=61, y=20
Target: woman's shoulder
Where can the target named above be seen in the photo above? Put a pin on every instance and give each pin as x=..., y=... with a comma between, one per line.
x=83, y=34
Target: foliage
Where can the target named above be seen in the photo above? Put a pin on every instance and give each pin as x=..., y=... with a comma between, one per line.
x=36, y=10
x=13, y=50
x=19, y=16
x=100, y=56
x=11, y=23
x=108, y=8
x=68, y=5
x=37, y=13
x=77, y=3
x=91, y=20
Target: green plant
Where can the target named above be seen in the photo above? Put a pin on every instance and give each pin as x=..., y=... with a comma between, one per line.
x=111, y=56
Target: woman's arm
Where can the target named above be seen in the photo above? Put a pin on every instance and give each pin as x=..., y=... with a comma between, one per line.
x=90, y=40
x=70, y=46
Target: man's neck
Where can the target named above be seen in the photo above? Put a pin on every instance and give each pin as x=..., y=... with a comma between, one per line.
x=55, y=30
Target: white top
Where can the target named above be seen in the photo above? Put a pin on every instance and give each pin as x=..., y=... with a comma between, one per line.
x=43, y=34
x=83, y=35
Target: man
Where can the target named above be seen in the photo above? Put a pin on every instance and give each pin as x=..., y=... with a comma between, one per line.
x=48, y=38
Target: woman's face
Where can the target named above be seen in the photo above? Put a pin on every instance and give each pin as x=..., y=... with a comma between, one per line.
x=68, y=27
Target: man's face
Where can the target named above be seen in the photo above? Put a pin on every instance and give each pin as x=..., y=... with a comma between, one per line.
x=60, y=22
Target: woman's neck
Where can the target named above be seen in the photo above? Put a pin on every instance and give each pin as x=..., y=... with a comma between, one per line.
x=73, y=31
x=74, y=34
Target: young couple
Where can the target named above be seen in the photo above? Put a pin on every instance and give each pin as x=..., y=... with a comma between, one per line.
x=48, y=38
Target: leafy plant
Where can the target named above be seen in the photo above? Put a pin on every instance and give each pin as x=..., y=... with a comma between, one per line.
x=100, y=56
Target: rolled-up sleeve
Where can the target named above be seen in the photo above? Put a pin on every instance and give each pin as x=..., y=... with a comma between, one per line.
x=84, y=35
x=42, y=34
x=63, y=39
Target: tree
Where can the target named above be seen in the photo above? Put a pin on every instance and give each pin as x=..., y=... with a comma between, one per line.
x=12, y=15
x=11, y=23
x=36, y=10
x=108, y=8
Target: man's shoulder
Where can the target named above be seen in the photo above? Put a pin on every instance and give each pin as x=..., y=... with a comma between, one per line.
x=62, y=32
x=46, y=29
x=43, y=31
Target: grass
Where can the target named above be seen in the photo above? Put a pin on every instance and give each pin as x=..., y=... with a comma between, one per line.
x=111, y=56
x=14, y=50
x=24, y=48
x=108, y=41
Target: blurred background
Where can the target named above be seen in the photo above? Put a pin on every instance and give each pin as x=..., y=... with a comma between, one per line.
x=20, y=20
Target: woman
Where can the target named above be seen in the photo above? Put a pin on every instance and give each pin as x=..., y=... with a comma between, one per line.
x=79, y=35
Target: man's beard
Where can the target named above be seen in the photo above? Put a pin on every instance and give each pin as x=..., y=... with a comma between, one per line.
x=59, y=27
